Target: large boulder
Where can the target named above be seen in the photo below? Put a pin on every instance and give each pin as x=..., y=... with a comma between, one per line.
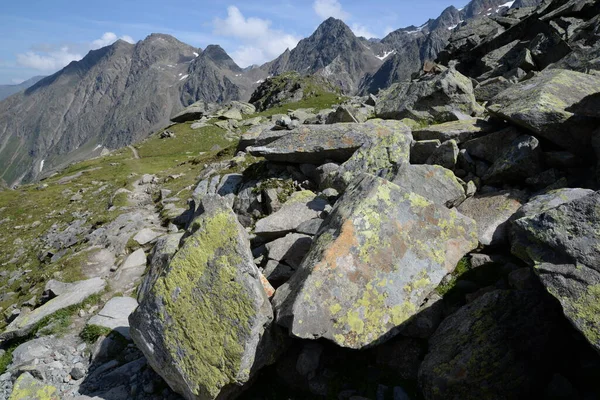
x=564, y=245
x=314, y=144
x=494, y=348
x=490, y=146
x=73, y=294
x=548, y=106
x=194, y=112
x=435, y=183
x=437, y=98
x=205, y=326
x=378, y=255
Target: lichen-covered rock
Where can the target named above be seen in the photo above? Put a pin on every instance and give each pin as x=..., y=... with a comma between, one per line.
x=563, y=244
x=517, y=162
x=435, y=183
x=73, y=294
x=547, y=106
x=260, y=135
x=460, y=131
x=300, y=207
x=205, y=326
x=552, y=199
x=314, y=144
x=438, y=98
x=492, y=213
x=378, y=255
x=494, y=348
x=381, y=154
x=26, y=387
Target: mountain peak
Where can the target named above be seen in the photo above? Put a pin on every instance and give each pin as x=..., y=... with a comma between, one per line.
x=333, y=26
x=219, y=56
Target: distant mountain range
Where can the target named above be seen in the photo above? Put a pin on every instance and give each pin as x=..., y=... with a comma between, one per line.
x=120, y=94
x=9, y=90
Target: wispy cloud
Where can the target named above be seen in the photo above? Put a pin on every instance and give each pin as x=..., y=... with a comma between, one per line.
x=261, y=43
x=47, y=58
x=361, y=30
x=330, y=8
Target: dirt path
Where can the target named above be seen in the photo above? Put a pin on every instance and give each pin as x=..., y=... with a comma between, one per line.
x=136, y=155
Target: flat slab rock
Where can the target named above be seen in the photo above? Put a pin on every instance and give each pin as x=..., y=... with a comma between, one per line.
x=315, y=144
x=299, y=208
x=461, y=131
x=26, y=387
x=379, y=254
x=76, y=293
x=115, y=315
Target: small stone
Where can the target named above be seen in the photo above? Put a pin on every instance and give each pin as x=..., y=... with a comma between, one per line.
x=78, y=371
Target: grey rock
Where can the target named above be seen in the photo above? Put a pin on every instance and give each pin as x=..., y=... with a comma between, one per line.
x=439, y=98
x=316, y=144
x=552, y=199
x=490, y=146
x=78, y=372
x=519, y=161
x=291, y=249
x=29, y=351
x=341, y=114
x=562, y=243
x=547, y=105
x=435, y=183
x=300, y=207
x=115, y=315
x=277, y=272
x=461, y=131
x=446, y=155
x=492, y=213
x=146, y=236
x=421, y=150
x=348, y=283
x=310, y=227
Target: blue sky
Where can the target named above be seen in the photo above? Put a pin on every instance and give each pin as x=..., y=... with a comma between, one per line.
x=38, y=37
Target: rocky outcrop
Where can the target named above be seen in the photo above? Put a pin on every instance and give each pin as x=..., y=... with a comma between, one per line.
x=436, y=98
x=549, y=105
x=366, y=275
x=205, y=324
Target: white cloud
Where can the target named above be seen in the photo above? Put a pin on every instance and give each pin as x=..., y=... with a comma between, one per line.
x=260, y=42
x=109, y=38
x=361, y=30
x=49, y=59
x=17, y=81
x=330, y=8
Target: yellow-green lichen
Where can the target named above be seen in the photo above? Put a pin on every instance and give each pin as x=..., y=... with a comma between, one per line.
x=587, y=310
x=27, y=388
x=206, y=310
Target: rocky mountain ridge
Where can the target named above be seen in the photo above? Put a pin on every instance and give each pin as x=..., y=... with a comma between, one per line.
x=9, y=90
x=99, y=103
